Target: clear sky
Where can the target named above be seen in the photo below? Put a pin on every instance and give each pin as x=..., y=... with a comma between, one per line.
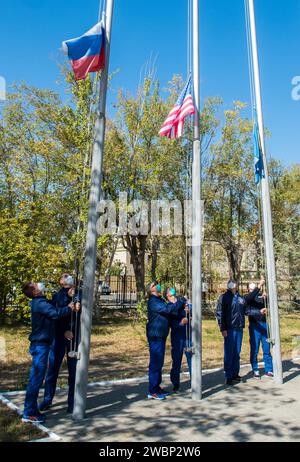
x=31, y=32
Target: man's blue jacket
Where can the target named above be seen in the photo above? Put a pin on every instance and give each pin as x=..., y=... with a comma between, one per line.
x=234, y=308
x=175, y=320
x=59, y=300
x=43, y=316
x=256, y=300
x=159, y=312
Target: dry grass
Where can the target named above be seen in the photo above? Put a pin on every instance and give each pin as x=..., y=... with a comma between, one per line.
x=119, y=350
x=14, y=370
x=12, y=430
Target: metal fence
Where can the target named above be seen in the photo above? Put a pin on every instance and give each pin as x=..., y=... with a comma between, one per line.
x=120, y=292
x=117, y=291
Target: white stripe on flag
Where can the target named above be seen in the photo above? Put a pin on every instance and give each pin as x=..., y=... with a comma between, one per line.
x=96, y=30
x=65, y=48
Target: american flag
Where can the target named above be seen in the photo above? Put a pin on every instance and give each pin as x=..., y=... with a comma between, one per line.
x=174, y=124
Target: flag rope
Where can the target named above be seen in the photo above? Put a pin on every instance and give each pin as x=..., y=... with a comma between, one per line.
x=264, y=264
x=189, y=39
x=250, y=59
x=82, y=224
x=188, y=260
x=259, y=205
x=189, y=159
x=101, y=11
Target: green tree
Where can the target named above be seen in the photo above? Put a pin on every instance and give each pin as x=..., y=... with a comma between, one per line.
x=285, y=194
x=139, y=162
x=229, y=190
x=43, y=146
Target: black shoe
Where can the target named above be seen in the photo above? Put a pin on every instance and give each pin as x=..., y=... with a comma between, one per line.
x=43, y=407
x=70, y=410
x=162, y=391
x=229, y=382
x=237, y=379
x=175, y=389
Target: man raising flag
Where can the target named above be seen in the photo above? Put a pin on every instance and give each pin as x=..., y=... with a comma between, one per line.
x=174, y=124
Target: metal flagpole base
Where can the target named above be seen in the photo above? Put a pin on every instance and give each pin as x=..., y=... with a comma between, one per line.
x=74, y=354
x=189, y=350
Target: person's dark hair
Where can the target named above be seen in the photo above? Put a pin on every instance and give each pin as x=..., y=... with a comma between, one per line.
x=29, y=289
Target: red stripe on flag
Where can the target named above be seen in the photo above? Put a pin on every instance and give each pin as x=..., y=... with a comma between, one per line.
x=174, y=124
x=83, y=66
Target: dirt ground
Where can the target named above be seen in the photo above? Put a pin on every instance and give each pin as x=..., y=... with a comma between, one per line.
x=13, y=430
x=119, y=350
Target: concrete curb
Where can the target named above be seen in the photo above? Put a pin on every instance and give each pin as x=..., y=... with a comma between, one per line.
x=52, y=436
x=144, y=378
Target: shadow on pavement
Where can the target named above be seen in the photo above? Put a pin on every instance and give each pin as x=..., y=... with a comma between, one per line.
x=250, y=411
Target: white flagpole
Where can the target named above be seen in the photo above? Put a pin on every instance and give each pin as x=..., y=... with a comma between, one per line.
x=197, y=222
x=91, y=240
x=267, y=212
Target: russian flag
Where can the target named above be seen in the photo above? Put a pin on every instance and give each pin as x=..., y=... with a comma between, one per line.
x=87, y=53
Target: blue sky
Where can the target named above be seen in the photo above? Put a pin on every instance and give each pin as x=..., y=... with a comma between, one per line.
x=31, y=32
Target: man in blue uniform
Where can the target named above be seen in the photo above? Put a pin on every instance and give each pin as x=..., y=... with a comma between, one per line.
x=231, y=315
x=43, y=317
x=232, y=326
x=180, y=338
x=63, y=342
x=157, y=332
x=258, y=330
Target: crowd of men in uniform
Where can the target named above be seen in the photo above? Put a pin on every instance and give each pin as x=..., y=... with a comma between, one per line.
x=54, y=329
x=56, y=325
x=174, y=313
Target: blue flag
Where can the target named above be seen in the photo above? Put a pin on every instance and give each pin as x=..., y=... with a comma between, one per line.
x=258, y=155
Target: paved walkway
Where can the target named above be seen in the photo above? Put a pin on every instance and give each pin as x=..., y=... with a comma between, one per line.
x=251, y=411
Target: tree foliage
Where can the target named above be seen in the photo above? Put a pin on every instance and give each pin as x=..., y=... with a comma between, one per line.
x=45, y=153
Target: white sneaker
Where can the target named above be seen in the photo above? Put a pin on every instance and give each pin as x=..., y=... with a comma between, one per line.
x=157, y=396
x=256, y=374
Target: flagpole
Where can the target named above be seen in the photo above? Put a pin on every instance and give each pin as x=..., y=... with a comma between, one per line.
x=267, y=212
x=197, y=221
x=81, y=384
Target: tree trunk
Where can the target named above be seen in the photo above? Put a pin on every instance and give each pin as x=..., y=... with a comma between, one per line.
x=154, y=250
x=96, y=313
x=259, y=257
x=113, y=253
x=136, y=246
x=3, y=303
x=234, y=262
